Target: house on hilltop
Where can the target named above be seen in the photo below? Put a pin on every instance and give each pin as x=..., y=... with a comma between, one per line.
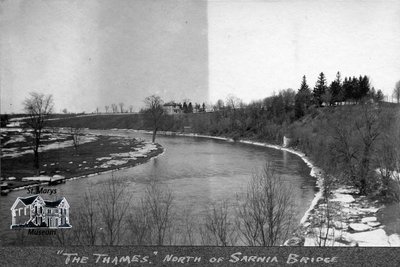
x=172, y=108
x=34, y=211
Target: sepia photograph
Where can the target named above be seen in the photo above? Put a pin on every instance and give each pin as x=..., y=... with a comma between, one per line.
x=237, y=129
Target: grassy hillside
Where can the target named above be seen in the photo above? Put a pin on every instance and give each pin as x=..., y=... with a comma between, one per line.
x=103, y=121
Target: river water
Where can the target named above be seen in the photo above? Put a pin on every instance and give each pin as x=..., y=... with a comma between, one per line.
x=198, y=171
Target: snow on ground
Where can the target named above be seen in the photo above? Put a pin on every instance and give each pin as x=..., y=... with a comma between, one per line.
x=345, y=198
x=123, y=158
x=15, y=139
x=355, y=222
x=103, y=158
x=393, y=174
x=43, y=178
x=374, y=238
x=15, y=152
x=7, y=129
x=14, y=124
x=113, y=162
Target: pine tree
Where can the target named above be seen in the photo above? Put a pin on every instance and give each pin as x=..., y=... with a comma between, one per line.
x=336, y=89
x=355, y=89
x=185, y=107
x=346, y=89
x=320, y=89
x=303, y=99
x=190, y=108
x=364, y=86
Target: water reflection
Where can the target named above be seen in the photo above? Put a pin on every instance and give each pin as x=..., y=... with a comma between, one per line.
x=199, y=172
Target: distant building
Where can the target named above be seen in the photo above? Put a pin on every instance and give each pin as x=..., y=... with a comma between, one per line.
x=33, y=211
x=172, y=108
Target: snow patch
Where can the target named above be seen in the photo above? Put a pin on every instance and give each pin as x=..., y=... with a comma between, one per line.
x=338, y=197
x=375, y=238
x=359, y=227
x=103, y=158
x=368, y=219
x=55, y=145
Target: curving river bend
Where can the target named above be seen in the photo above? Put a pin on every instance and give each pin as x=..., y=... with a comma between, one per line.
x=198, y=171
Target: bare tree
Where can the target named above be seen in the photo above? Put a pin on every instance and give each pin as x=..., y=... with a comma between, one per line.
x=130, y=108
x=154, y=108
x=76, y=134
x=112, y=208
x=220, y=226
x=87, y=223
x=388, y=160
x=158, y=203
x=327, y=222
x=354, y=144
x=140, y=226
x=38, y=106
x=369, y=130
x=151, y=221
x=346, y=154
x=189, y=234
x=114, y=108
x=396, y=92
x=121, y=107
x=233, y=102
x=106, y=108
x=264, y=216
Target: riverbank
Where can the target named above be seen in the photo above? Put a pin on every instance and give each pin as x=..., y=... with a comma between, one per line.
x=352, y=218
x=60, y=160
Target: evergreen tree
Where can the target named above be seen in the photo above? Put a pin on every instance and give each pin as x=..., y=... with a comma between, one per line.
x=351, y=89
x=303, y=99
x=185, y=107
x=320, y=89
x=204, y=107
x=336, y=90
x=355, y=89
x=190, y=108
x=346, y=89
x=364, y=86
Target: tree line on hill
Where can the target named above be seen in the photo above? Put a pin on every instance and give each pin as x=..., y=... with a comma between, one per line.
x=286, y=113
x=350, y=141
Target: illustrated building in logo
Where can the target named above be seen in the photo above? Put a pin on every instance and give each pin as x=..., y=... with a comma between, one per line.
x=34, y=211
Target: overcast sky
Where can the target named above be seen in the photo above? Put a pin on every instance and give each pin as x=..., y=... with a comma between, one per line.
x=93, y=53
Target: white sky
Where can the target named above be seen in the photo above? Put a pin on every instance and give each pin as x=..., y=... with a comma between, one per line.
x=256, y=47
x=93, y=53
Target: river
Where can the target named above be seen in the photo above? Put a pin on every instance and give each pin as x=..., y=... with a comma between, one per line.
x=198, y=171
